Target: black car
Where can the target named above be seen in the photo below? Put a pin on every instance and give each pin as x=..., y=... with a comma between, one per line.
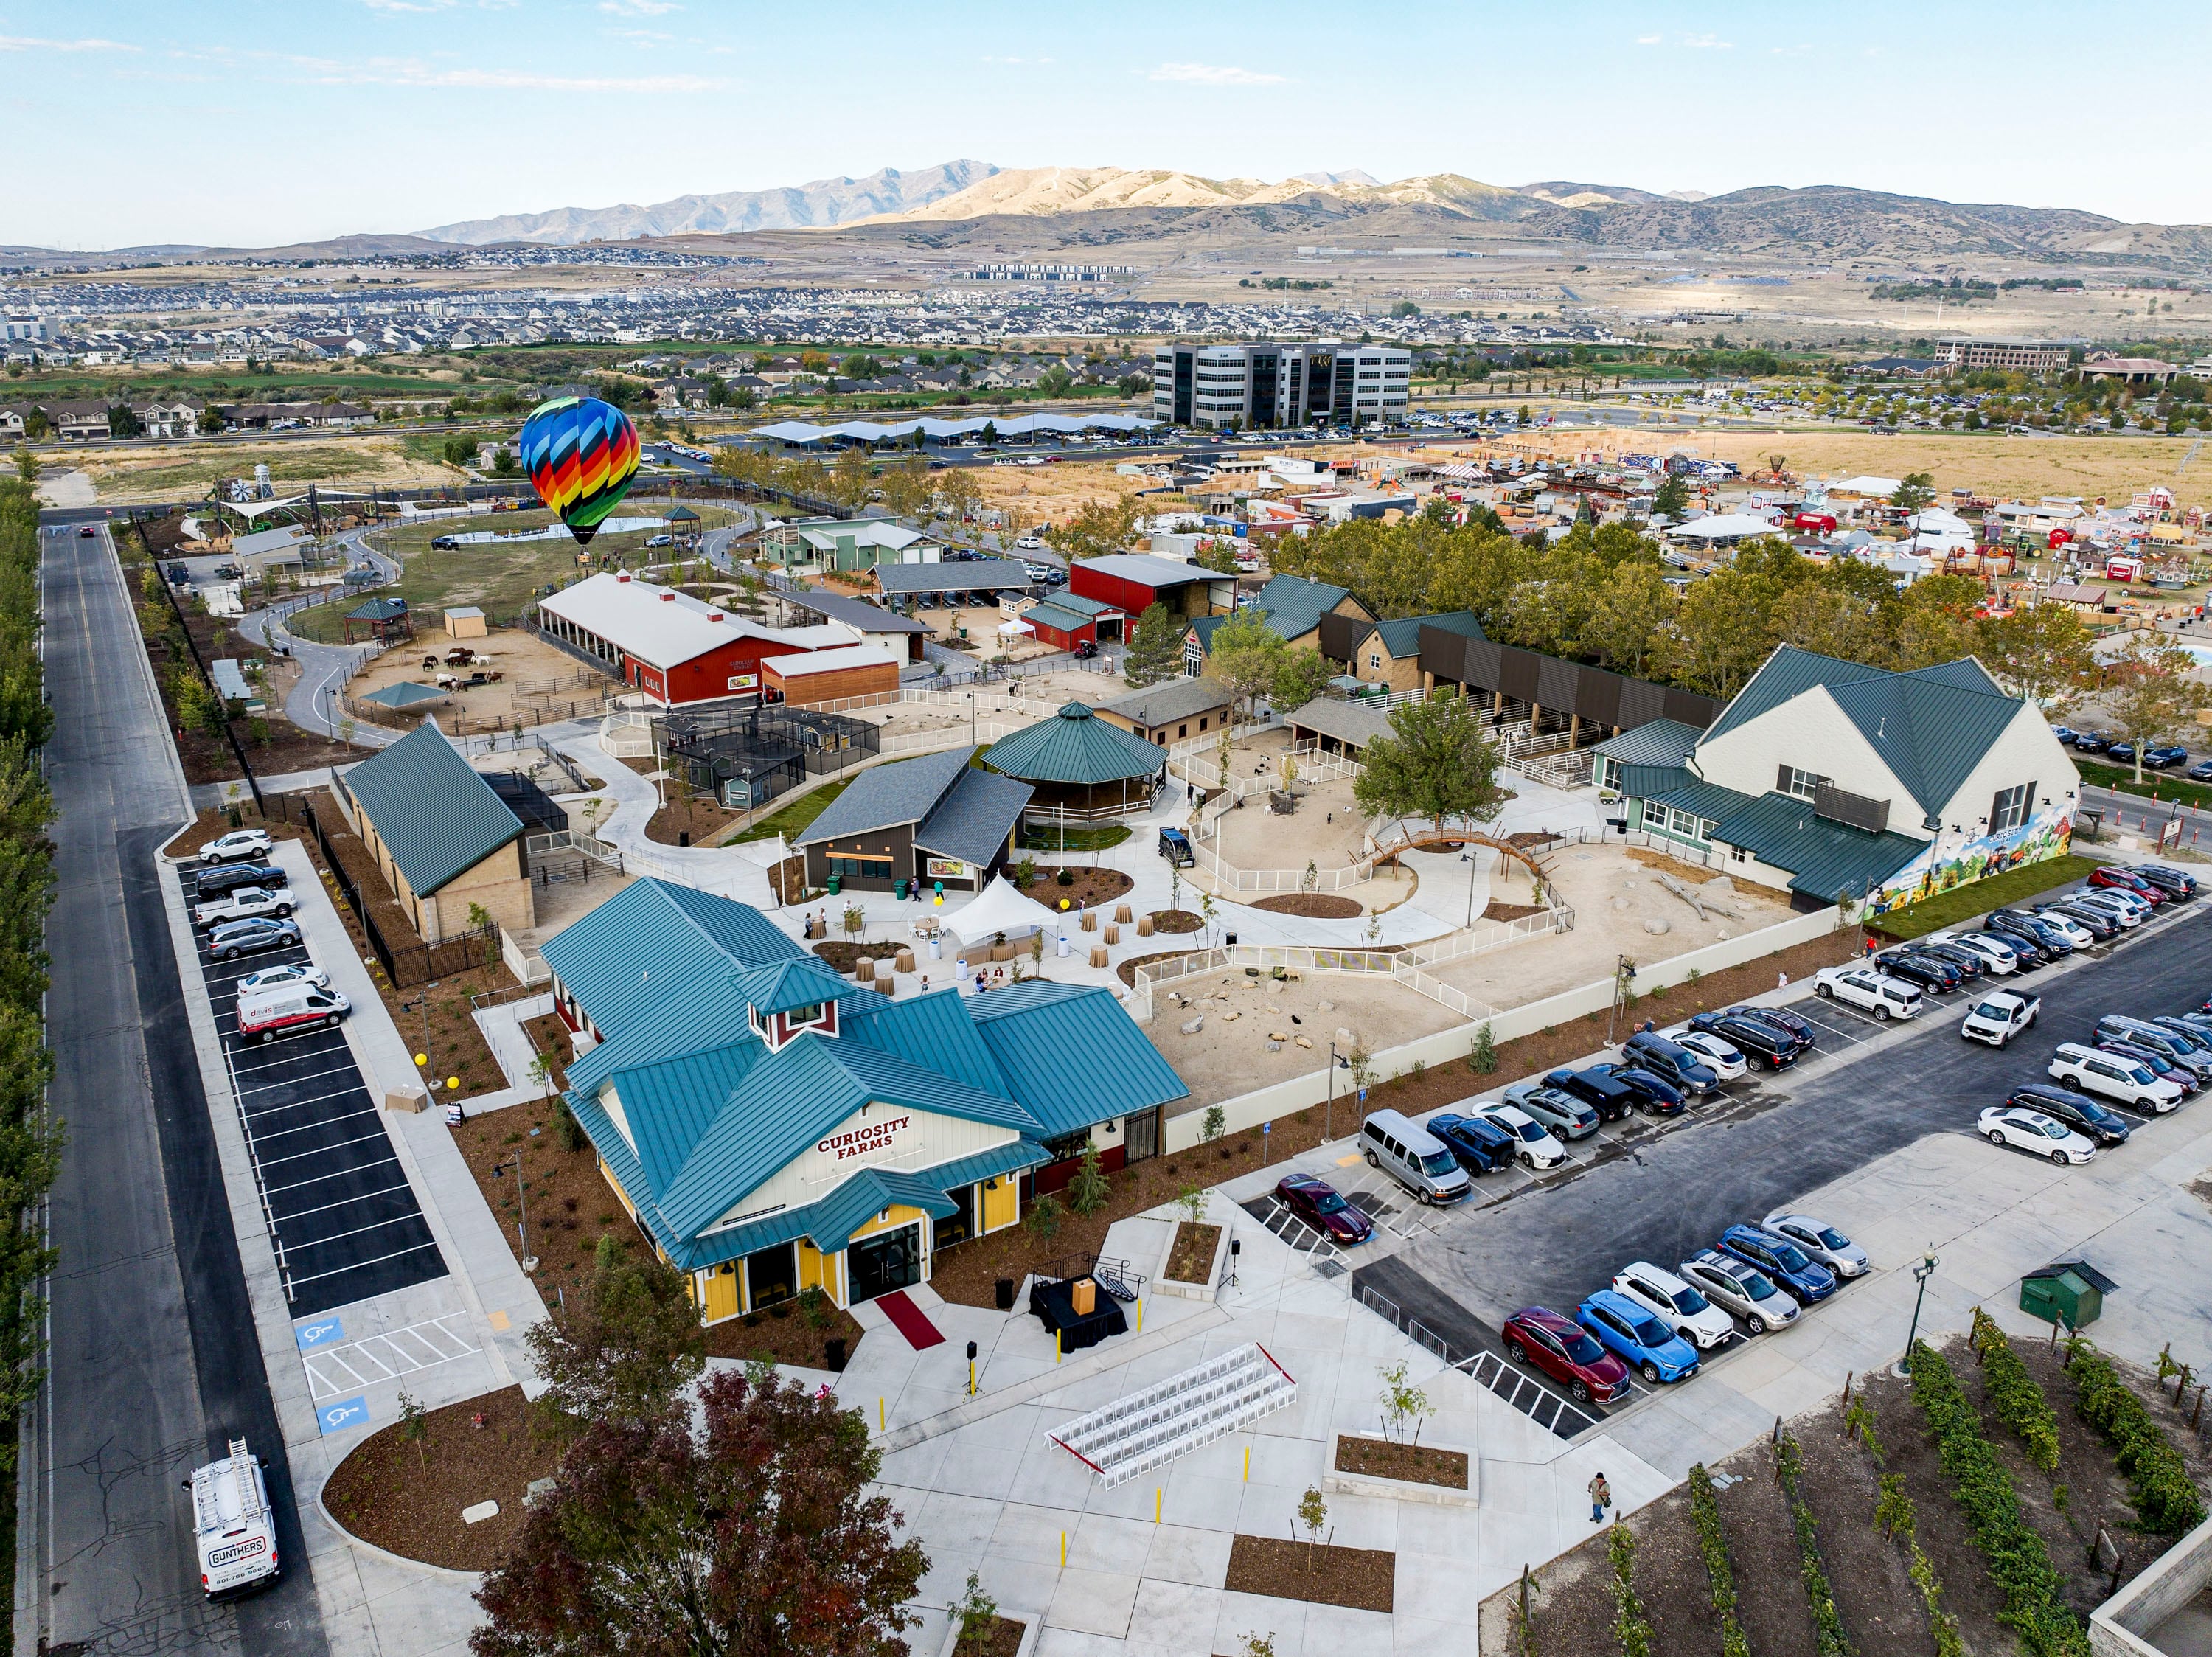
x=2200, y=772
x=1780, y=1019
x=1654, y=1094
x=228, y=877
x=1970, y=964
x=1760, y=1042
x=1669, y=1061
x=2098, y=925
x=1604, y=1092
x=1928, y=972
x=2077, y=1111
x=1477, y=1145
x=2064, y=734
x=2171, y=881
x=2038, y=942
x=2159, y=760
x=2092, y=741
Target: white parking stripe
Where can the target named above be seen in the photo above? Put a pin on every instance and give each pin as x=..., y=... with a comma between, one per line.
x=358, y=1265
x=309, y=1127
x=320, y=1150
x=340, y=1174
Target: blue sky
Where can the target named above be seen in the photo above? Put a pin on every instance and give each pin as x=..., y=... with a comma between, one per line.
x=252, y=121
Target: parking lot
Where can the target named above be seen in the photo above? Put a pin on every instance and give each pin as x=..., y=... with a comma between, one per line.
x=334, y=1197
x=1662, y=1191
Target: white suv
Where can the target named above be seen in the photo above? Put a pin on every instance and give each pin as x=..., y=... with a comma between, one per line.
x=1996, y=957
x=1675, y=1304
x=2113, y=1076
x=1873, y=992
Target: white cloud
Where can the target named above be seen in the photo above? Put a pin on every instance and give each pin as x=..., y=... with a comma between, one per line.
x=407, y=5
x=1213, y=75
x=1649, y=40
x=1706, y=43
x=639, y=8
x=32, y=43
x=386, y=71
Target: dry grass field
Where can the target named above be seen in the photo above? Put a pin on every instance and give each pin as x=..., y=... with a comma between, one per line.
x=1047, y=494
x=166, y=471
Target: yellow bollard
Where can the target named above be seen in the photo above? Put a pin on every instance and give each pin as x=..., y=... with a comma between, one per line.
x=1055, y=1345
x=1247, y=1464
x=1140, y=1314
x=1158, y=1492
x=1063, y=1551
x=883, y=1422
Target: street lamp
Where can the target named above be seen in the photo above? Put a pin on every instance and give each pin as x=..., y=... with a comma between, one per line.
x=1921, y=1274
x=522, y=1199
x=1328, y=1111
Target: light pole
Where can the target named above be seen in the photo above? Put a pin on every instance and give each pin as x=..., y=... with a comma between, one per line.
x=522, y=1201
x=1328, y=1111
x=1921, y=1274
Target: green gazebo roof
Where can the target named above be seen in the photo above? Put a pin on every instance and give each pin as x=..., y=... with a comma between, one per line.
x=1075, y=746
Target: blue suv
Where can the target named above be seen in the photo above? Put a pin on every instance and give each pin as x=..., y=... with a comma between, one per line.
x=1478, y=1145
x=1806, y=1280
x=1637, y=1337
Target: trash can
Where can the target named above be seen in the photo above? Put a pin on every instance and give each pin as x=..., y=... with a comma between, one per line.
x=1002, y=1294
x=898, y=892
x=836, y=884
x=2071, y=1291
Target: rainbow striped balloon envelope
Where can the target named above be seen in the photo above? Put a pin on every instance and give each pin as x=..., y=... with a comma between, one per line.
x=580, y=455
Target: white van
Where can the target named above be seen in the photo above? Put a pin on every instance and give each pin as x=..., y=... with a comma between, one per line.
x=233, y=1526
x=1413, y=1156
x=266, y=1014
x=2113, y=1076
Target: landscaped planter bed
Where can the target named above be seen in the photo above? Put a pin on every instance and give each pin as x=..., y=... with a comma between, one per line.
x=1360, y=1578
x=782, y=1334
x=1176, y=920
x=408, y=1498
x=1090, y=887
x=1314, y=905
x=1438, y=1473
x=1190, y=1257
x=1009, y=1636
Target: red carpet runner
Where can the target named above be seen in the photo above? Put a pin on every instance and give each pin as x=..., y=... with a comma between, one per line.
x=907, y=1318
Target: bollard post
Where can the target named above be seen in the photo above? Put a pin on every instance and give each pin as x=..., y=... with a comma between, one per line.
x=1158, y=1491
x=1247, y=1462
x=1055, y=1345
x=1063, y=1551
x=971, y=1369
x=882, y=1421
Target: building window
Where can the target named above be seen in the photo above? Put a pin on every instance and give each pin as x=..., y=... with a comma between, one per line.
x=861, y=868
x=1801, y=784
x=2010, y=810
x=1374, y=660
x=1738, y=855
x=1182, y=730
x=1687, y=825
x=1201, y=723
x=1067, y=1146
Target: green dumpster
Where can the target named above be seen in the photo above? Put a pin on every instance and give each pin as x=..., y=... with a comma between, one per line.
x=2069, y=1293
x=836, y=884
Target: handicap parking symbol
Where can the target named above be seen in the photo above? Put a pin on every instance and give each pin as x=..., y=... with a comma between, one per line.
x=347, y=1412
x=321, y=1333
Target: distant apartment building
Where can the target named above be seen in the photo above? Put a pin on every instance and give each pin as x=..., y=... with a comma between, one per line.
x=2036, y=357
x=1250, y=386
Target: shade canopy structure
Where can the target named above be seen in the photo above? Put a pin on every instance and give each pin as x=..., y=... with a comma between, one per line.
x=406, y=694
x=1085, y=769
x=1000, y=910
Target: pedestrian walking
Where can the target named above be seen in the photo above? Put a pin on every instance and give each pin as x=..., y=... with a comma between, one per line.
x=1600, y=1495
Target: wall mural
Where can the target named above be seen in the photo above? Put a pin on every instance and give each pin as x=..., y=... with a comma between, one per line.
x=2050, y=833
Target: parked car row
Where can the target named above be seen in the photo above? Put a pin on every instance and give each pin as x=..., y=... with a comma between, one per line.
x=1660, y=1323
x=2120, y=751
x=244, y=907
x=2145, y=1067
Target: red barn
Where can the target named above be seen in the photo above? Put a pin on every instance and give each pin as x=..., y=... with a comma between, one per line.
x=1134, y=581
x=677, y=649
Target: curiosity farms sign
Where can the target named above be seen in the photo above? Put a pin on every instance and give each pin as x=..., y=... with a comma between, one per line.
x=868, y=1136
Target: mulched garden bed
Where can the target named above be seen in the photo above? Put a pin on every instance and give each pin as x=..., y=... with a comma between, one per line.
x=407, y=1499
x=1090, y=887
x=1360, y=1578
x=788, y=879
x=570, y=1203
x=548, y=1037
x=1191, y=1259
x=1416, y=1464
x=1763, y=1550
x=1494, y=911
x=1573, y=1605
x=1003, y=1639
x=1314, y=906
x=1176, y=920
x=847, y=956
x=782, y=1334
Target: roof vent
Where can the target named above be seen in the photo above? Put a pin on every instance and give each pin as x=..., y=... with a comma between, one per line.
x=668, y=598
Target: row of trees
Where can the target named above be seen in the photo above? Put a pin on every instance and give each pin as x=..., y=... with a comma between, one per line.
x=30, y=1147
x=1601, y=594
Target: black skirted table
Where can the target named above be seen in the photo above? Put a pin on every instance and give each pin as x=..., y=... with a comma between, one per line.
x=1053, y=1305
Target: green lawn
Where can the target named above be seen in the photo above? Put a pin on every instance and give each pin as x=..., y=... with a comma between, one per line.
x=503, y=579
x=2158, y=784
x=795, y=818
x=1965, y=902
x=1046, y=837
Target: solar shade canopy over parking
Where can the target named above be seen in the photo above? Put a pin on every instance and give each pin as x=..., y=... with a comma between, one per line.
x=341, y=1214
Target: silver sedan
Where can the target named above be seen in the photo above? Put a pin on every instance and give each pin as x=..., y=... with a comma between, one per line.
x=1823, y=1242
x=1740, y=1288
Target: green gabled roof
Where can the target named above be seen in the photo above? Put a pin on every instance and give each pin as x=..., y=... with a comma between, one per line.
x=1294, y=605
x=1074, y=746
x=866, y=1194
x=435, y=815
x=1707, y=799
x=1824, y=858
x=1402, y=637
x=1931, y=727
x=1071, y=1053
x=1661, y=742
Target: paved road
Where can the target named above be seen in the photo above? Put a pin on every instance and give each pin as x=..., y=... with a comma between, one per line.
x=1665, y=1196
x=154, y=1359
x=311, y=703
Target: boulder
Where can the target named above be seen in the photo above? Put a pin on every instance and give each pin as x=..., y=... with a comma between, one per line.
x=1192, y=1027
x=1657, y=926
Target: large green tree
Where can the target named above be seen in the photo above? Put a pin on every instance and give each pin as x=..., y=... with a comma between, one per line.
x=1439, y=762
x=621, y=1348
x=1155, y=648
x=2039, y=651
x=752, y=1536
x=2150, y=693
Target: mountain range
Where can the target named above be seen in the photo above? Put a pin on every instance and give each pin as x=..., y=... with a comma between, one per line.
x=1069, y=207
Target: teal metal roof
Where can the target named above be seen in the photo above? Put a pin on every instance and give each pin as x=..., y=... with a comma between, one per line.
x=1071, y=1053
x=1661, y=742
x=1294, y=605
x=1790, y=672
x=786, y=986
x=1650, y=782
x=1075, y=746
x=1707, y=799
x=1401, y=637
x=436, y=817
x=383, y=609
x=1825, y=858
x=406, y=694
x=834, y=1219
x=1065, y=619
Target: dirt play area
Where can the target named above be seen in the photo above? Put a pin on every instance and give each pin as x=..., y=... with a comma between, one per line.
x=1229, y=1056
x=534, y=677
x=1614, y=891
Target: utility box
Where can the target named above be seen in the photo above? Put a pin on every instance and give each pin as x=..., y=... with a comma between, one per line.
x=2068, y=1292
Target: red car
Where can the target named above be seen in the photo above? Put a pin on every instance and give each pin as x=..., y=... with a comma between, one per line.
x=1318, y=1203
x=2128, y=880
x=1562, y=1348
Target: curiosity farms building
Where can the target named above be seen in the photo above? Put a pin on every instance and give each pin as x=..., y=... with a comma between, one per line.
x=773, y=1128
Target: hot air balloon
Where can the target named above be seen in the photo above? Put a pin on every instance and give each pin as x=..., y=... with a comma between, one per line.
x=580, y=455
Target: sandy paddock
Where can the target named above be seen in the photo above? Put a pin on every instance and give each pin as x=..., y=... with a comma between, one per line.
x=1230, y=1055
x=523, y=659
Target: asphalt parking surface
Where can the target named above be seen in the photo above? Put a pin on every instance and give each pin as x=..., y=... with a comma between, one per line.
x=1661, y=1194
x=335, y=1196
